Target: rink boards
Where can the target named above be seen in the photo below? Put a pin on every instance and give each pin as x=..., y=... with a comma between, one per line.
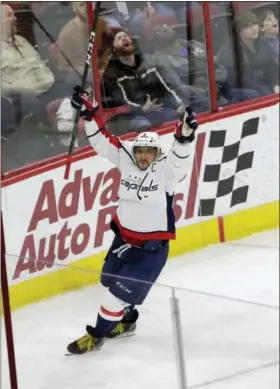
x=57, y=231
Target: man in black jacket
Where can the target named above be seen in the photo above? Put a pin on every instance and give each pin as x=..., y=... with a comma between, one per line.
x=129, y=80
x=253, y=67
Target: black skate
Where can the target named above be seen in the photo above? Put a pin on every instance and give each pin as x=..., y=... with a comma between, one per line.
x=85, y=344
x=127, y=326
x=122, y=330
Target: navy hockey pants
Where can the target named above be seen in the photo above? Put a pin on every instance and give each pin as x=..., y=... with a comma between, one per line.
x=140, y=263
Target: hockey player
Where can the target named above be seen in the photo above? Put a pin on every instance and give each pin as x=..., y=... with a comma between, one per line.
x=144, y=222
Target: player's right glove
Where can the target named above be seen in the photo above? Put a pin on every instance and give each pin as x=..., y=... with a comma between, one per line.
x=82, y=100
x=186, y=127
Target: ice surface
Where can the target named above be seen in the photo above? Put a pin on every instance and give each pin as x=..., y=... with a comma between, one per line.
x=228, y=344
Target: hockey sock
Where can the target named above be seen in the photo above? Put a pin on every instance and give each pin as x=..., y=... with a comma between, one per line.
x=110, y=314
x=102, y=327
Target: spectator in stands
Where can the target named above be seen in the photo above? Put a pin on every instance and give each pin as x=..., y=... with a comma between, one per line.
x=183, y=63
x=178, y=9
x=130, y=80
x=269, y=28
x=25, y=20
x=73, y=40
x=73, y=43
x=257, y=70
x=24, y=75
x=139, y=11
x=22, y=68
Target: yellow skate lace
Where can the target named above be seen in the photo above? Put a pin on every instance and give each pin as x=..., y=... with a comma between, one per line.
x=86, y=342
x=119, y=330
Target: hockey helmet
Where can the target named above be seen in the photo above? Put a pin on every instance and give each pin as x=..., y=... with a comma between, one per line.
x=148, y=139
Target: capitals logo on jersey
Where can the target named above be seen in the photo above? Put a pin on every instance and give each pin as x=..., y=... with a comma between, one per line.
x=140, y=185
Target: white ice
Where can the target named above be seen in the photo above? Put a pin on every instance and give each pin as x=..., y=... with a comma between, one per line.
x=228, y=344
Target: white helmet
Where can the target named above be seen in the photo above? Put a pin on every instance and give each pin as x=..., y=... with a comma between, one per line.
x=148, y=139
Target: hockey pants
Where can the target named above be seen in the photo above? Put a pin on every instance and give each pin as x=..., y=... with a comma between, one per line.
x=134, y=264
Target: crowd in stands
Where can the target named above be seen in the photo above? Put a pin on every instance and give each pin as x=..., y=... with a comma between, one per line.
x=152, y=61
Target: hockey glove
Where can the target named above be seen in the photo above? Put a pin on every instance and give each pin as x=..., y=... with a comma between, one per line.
x=186, y=127
x=82, y=100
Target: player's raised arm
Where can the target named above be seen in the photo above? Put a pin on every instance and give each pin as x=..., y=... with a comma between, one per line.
x=179, y=157
x=104, y=143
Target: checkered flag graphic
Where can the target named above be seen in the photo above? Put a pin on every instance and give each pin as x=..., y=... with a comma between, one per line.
x=223, y=178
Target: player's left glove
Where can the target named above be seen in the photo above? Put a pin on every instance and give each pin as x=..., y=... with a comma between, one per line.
x=186, y=127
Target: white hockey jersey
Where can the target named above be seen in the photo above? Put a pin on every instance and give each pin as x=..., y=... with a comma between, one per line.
x=145, y=209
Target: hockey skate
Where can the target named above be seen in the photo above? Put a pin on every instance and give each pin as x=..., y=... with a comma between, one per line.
x=122, y=330
x=127, y=326
x=85, y=344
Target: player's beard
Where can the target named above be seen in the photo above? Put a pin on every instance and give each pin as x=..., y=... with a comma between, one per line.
x=143, y=164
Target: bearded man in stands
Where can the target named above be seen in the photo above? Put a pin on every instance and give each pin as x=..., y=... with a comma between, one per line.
x=129, y=80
